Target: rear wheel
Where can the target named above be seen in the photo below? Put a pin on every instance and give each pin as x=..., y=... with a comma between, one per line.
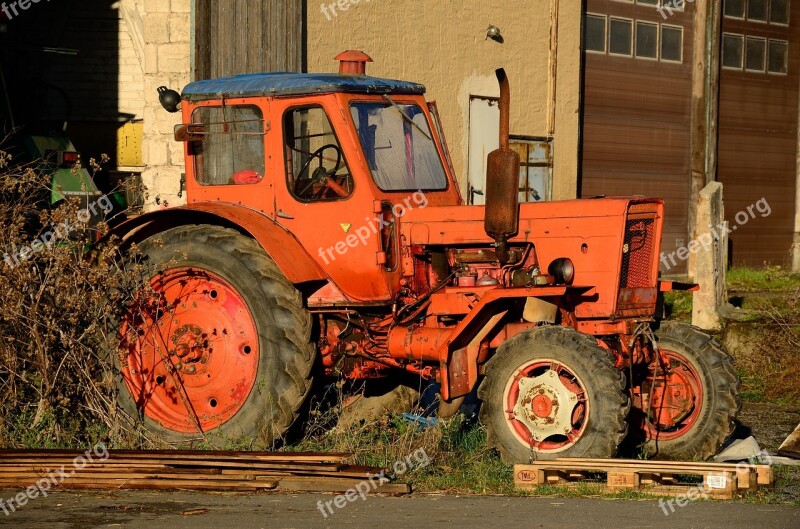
x=694, y=399
x=553, y=392
x=218, y=344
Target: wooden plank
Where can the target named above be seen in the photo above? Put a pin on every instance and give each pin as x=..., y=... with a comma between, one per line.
x=764, y=473
x=188, y=463
x=161, y=484
x=716, y=483
x=191, y=470
x=25, y=479
x=791, y=446
x=292, y=457
x=622, y=479
x=748, y=473
x=309, y=484
x=357, y=473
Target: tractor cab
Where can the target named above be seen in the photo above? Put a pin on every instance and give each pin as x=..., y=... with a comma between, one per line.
x=324, y=136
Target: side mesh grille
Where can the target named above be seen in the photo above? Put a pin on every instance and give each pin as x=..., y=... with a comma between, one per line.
x=637, y=261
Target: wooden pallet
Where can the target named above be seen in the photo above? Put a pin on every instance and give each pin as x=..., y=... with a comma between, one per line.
x=719, y=480
x=190, y=470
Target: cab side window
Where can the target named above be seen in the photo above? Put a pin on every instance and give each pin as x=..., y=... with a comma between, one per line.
x=316, y=169
x=232, y=149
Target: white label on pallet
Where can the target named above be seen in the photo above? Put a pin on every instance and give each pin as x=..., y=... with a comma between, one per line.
x=716, y=482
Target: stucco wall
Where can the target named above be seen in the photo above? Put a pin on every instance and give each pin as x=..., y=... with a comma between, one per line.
x=443, y=45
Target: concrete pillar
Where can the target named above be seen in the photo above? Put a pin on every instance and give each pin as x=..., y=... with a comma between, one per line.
x=710, y=257
x=705, y=105
x=796, y=242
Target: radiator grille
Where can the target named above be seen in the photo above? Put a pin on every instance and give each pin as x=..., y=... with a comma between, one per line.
x=637, y=261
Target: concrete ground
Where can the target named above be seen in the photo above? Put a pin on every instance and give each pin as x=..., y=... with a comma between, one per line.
x=153, y=510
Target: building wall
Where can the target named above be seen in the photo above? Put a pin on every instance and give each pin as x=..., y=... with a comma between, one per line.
x=130, y=81
x=758, y=133
x=637, y=113
x=443, y=45
x=166, y=34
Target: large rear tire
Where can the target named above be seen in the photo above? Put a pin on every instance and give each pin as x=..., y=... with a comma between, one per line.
x=701, y=396
x=218, y=348
x=553, y=392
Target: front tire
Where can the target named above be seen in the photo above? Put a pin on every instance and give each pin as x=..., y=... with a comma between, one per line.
x=553, y=392
x=218, y=347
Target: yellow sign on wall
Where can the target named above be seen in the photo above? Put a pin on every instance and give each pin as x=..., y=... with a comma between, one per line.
x=129, y=144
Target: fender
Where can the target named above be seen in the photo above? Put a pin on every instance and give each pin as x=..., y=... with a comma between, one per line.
x=280, y=244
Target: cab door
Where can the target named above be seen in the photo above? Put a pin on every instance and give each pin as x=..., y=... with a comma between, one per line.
x=331, y=211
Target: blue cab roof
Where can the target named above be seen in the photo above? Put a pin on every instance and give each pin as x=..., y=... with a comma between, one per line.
x=292, y=84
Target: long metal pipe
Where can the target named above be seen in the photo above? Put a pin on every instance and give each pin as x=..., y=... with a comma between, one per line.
x=505, y=108
x=553, y=96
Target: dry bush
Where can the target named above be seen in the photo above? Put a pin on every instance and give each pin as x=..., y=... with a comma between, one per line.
x=770, y=365
x=57, y=313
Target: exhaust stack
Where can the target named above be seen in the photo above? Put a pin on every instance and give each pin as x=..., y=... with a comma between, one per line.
x=502, y=180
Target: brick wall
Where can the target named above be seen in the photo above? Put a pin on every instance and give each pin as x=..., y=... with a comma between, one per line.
x=165, y=26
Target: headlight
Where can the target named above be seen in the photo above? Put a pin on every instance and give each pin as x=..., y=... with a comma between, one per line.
x=563, y=270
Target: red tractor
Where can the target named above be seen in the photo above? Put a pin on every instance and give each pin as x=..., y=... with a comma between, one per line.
x=325, y=235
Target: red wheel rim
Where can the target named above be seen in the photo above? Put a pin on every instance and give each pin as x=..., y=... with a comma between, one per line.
x=676, y=401
x=546, y=406
x=190, y=350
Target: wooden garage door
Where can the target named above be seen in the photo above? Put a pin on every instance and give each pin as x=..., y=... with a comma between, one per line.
x=248, y=36
x=758, y=125
x=637, y=103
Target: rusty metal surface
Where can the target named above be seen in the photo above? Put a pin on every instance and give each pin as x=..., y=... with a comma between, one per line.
x=417, y=343
x=502, y=179
x=353, y=62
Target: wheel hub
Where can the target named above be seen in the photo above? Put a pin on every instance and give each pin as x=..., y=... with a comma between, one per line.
x=191, y=347
x=545, y=405
x=675, y=398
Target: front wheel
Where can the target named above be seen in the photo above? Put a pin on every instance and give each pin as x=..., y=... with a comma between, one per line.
x=692, y=395
x=553, y=392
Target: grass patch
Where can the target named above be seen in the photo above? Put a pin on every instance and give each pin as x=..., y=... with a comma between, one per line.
x=679, y=306
x=769, y=279
x=458, y=454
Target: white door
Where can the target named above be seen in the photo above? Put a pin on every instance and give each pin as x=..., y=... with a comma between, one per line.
x=484, y=137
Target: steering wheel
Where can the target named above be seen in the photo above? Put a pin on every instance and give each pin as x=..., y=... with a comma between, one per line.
x=321, y=175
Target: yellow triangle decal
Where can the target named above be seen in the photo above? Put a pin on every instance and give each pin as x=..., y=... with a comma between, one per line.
x=346, y=227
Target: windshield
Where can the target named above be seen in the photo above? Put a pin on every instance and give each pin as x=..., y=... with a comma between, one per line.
x=398, y=146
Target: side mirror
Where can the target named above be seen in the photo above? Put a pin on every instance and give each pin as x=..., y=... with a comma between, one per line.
x=169, y=99
x=190, y=132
